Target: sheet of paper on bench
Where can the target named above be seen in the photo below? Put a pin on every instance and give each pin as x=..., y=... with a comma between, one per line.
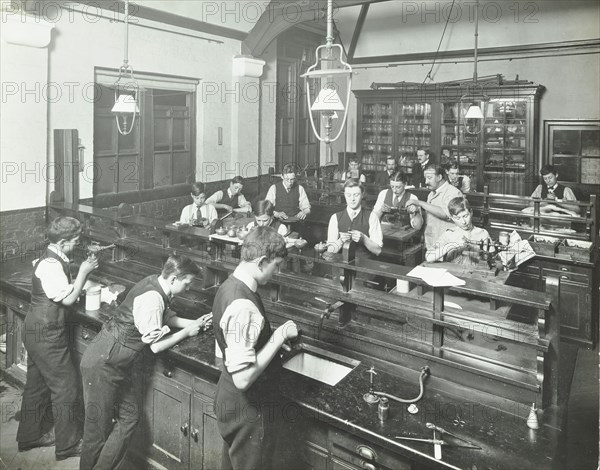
x=436, y=277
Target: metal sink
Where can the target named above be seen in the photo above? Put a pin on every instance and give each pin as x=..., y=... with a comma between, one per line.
x=319, y=364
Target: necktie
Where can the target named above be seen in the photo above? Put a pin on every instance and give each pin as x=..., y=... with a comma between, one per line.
x=395, y=201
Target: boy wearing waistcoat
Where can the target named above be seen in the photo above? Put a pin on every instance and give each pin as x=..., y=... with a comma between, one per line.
x=110, y=392
x=247, y=403
x=553, y=193
x=288, y=197
x=396, y=198
x=231, y=199
x=356, y=223
x=51, y=388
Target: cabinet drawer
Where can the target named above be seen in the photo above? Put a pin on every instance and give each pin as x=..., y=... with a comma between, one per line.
x=14, y=302
x=362, y=454
x=565, y=275
x=205, y=388
x=566, y=268
x=167, y=370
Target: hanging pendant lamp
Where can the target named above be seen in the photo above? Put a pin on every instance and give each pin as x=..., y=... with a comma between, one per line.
x=126, y=107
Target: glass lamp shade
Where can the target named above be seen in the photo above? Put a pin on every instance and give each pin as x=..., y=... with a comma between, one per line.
x=474, y=112
x=328, y=101
x=125, y=104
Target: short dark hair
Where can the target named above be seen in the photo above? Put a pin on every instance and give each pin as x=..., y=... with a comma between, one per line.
x=437, y=168
x=391, y=157
x=179, y=266
x=237, y=180
x=263, y=241
x=398, y=176
x=264, y=207
x=458, y=204
x=547, y=169
x=451, y=166
x=353, y=160
x=198, y=188
x=289, y=168
x=63, y=228
x=425, y=149
x=354, y=182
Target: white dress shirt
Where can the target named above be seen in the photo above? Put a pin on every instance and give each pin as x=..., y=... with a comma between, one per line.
x=333, y=232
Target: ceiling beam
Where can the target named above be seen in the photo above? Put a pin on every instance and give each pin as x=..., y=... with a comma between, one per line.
x=357, y=29
x=281, y=15
x=140, y=11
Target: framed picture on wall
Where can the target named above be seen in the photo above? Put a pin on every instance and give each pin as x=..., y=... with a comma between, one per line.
x=573, y=147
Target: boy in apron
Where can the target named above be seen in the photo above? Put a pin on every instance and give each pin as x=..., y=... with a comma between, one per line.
x=51, y=387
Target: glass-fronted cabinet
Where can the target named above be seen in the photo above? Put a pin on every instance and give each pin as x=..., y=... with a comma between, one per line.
x=413, y=131
x=505, y=146
x=376, y=128
x=573, y=147
x=500, y=152
x=459, y=143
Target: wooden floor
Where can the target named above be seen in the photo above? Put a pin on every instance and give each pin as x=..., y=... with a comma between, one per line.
x=580, y=444
x=582, y=435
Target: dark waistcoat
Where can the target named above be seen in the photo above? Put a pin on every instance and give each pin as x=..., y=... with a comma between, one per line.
x=233, y=289
x=230, y=201
x=559, y=192
x=288, y=202
x=122, y=325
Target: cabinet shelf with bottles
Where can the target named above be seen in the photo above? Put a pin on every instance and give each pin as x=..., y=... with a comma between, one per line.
x=500, y=153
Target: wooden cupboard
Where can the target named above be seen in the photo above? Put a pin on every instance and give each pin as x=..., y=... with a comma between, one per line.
x=500, y=151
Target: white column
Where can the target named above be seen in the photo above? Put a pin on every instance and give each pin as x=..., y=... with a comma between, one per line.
x=24, y=111
x=245, y=114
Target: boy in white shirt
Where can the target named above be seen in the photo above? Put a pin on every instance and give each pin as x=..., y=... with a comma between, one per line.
x=461, y=244
x=52, y=380
x=194, y=214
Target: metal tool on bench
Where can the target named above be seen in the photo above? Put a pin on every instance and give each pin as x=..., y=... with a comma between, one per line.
x=438, y=443
x=93, y=249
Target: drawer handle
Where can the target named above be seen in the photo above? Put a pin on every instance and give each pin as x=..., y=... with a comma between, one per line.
x=366, y=452
x=85, y=336
x=562, y=268
x=21, y=305
x=564, y=278
x=368, y=466
x=195, y=434
x=168, y=373
x=184, y=429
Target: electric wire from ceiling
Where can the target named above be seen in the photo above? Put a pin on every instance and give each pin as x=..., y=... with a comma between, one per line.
x=439, y=45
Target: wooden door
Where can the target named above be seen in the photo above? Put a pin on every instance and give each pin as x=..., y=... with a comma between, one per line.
x=206, y=444
x=169, y=424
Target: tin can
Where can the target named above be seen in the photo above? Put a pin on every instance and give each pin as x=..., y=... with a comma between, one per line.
x=503, y=238
x=383, y=409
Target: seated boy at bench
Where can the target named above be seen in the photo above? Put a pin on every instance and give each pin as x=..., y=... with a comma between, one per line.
x=462, y=243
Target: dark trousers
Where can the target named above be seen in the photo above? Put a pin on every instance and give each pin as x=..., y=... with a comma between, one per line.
x=51, y=391
x=254, y=429
x=112, y=401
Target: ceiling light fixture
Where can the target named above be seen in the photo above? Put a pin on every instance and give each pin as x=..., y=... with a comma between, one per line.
x=126, y=88
x=473, y=117
x=328, y=102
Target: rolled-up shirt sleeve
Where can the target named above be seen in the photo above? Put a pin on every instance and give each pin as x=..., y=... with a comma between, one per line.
x=215, y=198
x=148, y=310
x=54, y=280
x=375, y=233
x=241, y=324
x=271, y=193
x=303, y=202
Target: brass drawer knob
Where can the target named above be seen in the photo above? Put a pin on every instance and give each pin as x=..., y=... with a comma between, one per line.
x=168, y=373
x=184, y=429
